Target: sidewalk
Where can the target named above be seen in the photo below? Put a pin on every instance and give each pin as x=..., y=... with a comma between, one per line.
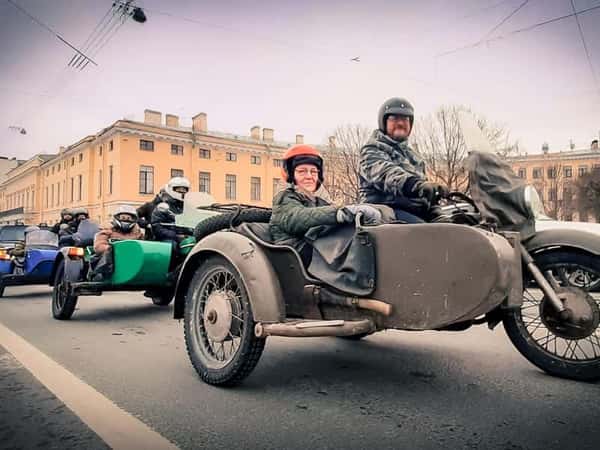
x=31, y=417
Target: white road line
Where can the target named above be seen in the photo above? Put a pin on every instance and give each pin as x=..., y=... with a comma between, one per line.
x=116, y=427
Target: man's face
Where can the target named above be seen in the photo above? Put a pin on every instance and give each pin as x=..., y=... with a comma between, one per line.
x=397, y=126
x=68, y=217
x=306, y=176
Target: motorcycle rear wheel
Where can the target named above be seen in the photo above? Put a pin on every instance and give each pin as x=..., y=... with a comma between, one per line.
x=63, y=304
x=559, y=348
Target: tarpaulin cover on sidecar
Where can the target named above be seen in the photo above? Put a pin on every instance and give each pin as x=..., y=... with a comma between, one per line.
x=343, y=257
x=499, y=193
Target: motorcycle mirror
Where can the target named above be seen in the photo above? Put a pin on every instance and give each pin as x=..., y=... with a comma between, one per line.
x=475, y=139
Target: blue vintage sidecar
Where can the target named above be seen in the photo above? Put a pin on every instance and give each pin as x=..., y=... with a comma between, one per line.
x=33, y=264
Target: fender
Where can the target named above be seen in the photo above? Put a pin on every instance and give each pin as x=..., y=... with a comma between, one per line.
x=251, y=262
x=73, y=267
x=581, y=240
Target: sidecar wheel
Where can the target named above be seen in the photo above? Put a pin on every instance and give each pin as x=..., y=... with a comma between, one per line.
x=219, y=325
x=568, y=349
x=63, y=305
x=163, y=298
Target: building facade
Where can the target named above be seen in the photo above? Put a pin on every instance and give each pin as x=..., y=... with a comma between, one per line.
x=555, y=175
x=128, y=162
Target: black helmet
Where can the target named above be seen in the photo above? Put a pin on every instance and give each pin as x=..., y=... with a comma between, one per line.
x=395, y=105
x=125, y=218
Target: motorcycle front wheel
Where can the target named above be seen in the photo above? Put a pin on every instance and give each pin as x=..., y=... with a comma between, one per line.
x=568, y=348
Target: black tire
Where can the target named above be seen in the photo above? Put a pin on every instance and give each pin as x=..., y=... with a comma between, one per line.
x=204, y=352
x=2, y=287
x=225, y=220
x=524, y=330
x=63, y=306
x=163, y=299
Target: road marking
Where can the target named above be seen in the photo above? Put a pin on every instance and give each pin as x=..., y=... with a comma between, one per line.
x=116, y=427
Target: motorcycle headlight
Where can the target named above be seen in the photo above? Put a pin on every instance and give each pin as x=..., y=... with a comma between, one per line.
x=534, y=202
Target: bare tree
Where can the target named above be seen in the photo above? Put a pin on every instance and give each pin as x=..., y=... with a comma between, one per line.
x=341, y=159
x=439, y=140
x=588, y=194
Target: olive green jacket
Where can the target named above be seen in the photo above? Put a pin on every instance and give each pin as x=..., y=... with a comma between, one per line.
x=294, y=213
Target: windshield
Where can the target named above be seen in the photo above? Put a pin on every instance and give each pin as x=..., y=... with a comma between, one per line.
x=41, y=237
x=192, y=209
x=9, y=233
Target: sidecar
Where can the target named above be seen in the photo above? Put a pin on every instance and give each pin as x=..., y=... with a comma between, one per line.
x=138, y=265
x=237, y=288
x=35, y=266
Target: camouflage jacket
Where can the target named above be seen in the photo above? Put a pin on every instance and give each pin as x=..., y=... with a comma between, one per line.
x=294, y=213
x=388, y=170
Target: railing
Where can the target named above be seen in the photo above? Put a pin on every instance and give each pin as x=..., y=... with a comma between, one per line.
x=11, y=212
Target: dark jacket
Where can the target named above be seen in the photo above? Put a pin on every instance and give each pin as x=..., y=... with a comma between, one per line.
x=388, y=171
x=103, y=237
x=160, y=232
x=56, y=227
x=144, y=212
x=294, y=213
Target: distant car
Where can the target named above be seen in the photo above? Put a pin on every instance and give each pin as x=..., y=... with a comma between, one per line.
x=10, y=235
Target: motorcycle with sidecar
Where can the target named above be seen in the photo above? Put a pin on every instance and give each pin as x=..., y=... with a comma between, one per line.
x=483, y=266
x=138, y=265
x=40, y=248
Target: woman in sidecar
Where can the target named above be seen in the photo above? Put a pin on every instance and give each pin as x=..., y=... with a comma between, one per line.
x=241, y=285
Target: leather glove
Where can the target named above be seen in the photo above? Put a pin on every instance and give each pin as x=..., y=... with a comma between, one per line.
x=371, y=215
x=430, y=191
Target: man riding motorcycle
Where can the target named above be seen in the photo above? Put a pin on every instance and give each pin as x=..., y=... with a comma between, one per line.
x=66, y=215
x=171, y=205
x=392, y=173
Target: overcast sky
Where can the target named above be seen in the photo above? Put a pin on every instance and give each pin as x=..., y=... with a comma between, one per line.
x=287, y=65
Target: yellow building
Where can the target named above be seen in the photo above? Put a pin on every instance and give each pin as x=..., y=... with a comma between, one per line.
x=128, y=162
x=555, y=175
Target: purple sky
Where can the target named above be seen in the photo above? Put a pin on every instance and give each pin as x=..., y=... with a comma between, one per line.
x=286, y=65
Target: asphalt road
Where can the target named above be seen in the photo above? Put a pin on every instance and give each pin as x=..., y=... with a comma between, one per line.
x=391, y=390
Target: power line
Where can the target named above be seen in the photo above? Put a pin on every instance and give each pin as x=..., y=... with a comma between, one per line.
x=46, y=27
x=503, y=21
x=520, y=30
x=587, y=53
x=89, y=38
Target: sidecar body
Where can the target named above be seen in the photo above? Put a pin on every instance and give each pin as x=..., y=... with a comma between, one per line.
x=431, y=276
x=35, y=266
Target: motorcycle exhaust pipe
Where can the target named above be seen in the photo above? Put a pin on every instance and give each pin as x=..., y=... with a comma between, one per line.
x=325, y=296
x=314, y=328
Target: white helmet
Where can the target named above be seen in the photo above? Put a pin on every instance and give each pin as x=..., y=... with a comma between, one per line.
x=120, y=219
x=177, y=187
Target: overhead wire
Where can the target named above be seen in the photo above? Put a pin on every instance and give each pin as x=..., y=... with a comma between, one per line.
x=98, y=28
x=506, y=19
x=585, y=47
x=520, y=30
x=47, y=28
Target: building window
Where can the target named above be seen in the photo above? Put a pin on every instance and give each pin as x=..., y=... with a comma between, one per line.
x=100, y=183
x=47, y=172
x=72, y=189
x=100, y=151
x=568, y=172
x=146, y=179
x=176, y=173
x=80, y=184
x=110, y=146
x=552, y=195
x=582, y=170
x=176, y=149
x=255, y=188
x=80, y=157
x=567, y=195
x=255, y=159
x=204, y=153
x=522, y=173
x=230, y=156
x=52, y=195
x=551, y=172
x=146, y=145
x=72, y=161
x=276, y=185
x=58, y=167
x=52, y=170
x=110, y=179
x=278, y=163
x=58, y=202
x=230, y=187
x=537, y=172
x=46, y=196
x=204, y=182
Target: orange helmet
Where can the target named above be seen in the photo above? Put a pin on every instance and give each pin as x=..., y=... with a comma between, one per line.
x=301, y=154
